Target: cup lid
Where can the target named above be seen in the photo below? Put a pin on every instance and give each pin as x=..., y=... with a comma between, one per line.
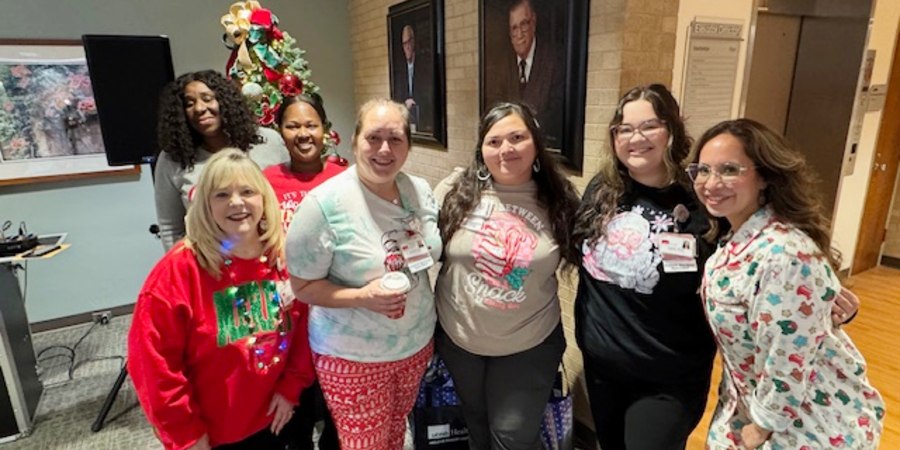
x=395, y=281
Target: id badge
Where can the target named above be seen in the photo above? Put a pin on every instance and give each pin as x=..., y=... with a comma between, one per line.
x=677, y=244
x=678, y=251
x=415, y=252
x=475, y=220
x=679, y=265
x=285, y=293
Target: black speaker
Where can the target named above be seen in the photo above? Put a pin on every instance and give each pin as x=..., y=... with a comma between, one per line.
x=127, y=74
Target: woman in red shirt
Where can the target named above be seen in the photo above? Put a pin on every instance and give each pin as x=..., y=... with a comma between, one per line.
x=305, y=129
x=218, y=348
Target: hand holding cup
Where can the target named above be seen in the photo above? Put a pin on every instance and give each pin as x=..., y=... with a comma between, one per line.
x=396, y=282
x=388, y=299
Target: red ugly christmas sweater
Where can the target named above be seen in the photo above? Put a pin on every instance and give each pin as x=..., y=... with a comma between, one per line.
x=207, y=355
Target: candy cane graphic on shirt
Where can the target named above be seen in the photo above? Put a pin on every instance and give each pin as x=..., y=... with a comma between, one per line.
x=503, y=250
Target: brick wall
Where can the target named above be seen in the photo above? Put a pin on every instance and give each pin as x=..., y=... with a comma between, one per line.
x=630, y=42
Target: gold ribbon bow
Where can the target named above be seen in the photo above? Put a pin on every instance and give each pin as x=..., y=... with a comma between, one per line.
x=237, y=29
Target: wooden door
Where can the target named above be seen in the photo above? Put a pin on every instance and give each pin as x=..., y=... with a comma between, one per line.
x=884, y=173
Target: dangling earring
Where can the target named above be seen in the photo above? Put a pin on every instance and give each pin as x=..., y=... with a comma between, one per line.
x=536, y=165
x=762, y=197
x=263, y=225
x=482, y=174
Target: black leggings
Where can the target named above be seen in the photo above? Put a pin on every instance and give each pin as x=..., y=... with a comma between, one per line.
x=503, y=397
x=311, y=410
x=263, y=439
x=634, y=415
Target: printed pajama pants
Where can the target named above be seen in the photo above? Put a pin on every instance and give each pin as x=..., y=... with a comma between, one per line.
x=370, y=402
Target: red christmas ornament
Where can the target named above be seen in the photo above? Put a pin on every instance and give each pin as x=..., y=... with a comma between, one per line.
x=290, y=85
x=268, y=116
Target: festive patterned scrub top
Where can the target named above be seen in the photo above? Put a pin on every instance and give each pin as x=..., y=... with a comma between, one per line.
x=768, y=294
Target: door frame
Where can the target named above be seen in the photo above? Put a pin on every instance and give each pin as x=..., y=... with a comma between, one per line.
x=882, y=176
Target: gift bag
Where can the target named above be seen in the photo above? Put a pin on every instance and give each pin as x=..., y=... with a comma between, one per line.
x=437, y=418
x=557, y=428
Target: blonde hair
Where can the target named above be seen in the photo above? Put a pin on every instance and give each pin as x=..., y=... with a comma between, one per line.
x=375, y=103
x=204, y=236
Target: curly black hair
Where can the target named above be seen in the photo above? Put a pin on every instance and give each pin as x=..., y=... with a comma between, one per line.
x=177, y=138
x=555, y=192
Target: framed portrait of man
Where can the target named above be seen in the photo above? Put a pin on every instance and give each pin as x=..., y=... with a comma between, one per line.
x=416, y=52
x=535, y=52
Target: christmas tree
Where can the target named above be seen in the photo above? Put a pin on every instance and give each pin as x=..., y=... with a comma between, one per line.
x=267, y=63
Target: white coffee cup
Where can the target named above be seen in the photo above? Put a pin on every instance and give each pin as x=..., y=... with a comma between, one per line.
x=396, y=282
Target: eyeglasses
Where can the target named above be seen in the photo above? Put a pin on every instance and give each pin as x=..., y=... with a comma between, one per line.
x=728, y=172
x=647, y=129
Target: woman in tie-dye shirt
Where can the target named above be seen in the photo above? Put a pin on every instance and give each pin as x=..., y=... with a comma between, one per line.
x=791, y=380
x=370, y=343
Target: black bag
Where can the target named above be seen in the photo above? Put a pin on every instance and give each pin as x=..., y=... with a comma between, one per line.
x=440, y=427
x=438, y=421
x=13, y=245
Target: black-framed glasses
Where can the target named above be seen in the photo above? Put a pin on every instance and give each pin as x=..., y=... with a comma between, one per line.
x=727, y=172
x=647, y=129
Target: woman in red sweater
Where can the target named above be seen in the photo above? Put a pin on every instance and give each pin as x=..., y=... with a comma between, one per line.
x=218, y=348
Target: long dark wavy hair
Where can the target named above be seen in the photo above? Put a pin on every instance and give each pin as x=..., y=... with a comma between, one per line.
x=612, y=182
x=554, y=191
x=791, y=188
x=176, y=136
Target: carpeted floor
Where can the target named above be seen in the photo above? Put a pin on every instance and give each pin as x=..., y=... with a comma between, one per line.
x=69, y=407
